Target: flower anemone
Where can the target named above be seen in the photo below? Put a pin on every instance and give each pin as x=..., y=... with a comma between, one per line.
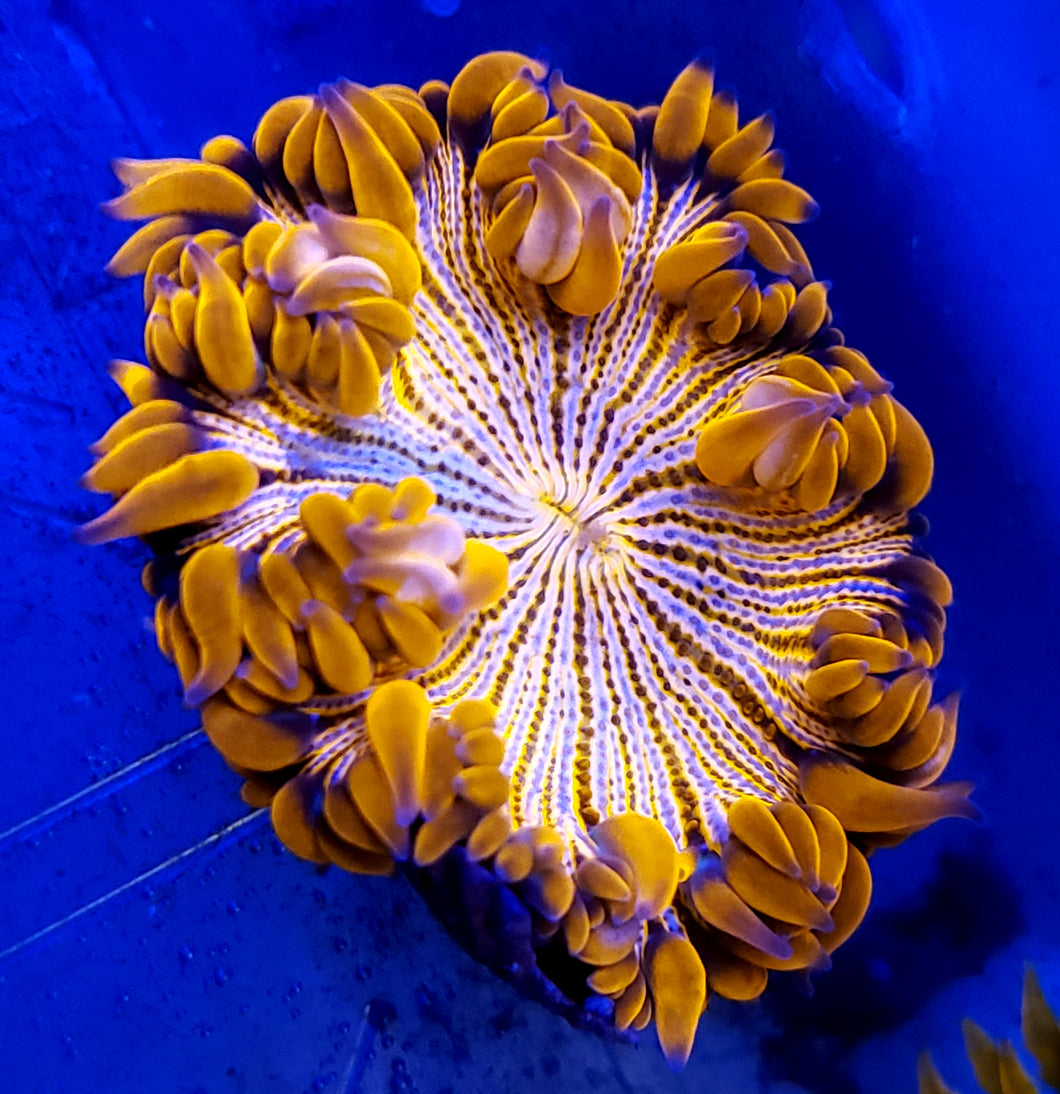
x=521, y=521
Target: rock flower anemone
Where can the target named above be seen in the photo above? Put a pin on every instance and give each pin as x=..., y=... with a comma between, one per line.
x=521, y=522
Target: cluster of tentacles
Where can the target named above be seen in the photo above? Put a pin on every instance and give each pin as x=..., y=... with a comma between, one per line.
x=997, y=1067
x=519, y=518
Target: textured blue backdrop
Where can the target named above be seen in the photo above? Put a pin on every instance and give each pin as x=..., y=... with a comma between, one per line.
x=152, y=938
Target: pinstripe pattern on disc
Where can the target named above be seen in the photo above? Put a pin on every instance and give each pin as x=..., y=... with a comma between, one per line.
x=643, y=658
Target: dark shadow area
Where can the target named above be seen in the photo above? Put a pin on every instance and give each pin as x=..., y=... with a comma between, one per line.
x=969, y=909
x=875, y=41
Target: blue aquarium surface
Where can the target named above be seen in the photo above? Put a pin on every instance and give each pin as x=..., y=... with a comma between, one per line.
x=155, y=935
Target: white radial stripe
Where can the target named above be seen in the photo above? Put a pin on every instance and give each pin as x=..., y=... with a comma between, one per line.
x=524, y=711
x=631, y=676
x=559, y=693
x=717, y=764
x=545, y=692
x=453, y=284
x=475, y=657
x=701, y=627
x=454, y=371
x=738, y=653
x=623, y=779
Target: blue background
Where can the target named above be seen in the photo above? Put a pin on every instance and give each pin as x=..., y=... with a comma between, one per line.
x=152, y=936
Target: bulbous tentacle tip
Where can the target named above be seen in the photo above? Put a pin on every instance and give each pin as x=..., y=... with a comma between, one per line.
x=677, y=982
x=475, y=89
x=232, y=154
x=681, y=124
x=140, y=384
x=787, y=890
x=612, y=118
x=773, y=440
x=195, y=488
x=210, y=603
x=223, y=336
x=295, y=811
x=184, y=188
x=256, y=742
x=594, y=279
x=863, y=803
x=647, y=850
x=397, y=715
x=774, y=199
x=374, y=158
x=142, y=453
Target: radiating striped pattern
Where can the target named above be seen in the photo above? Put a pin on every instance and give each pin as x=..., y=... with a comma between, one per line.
x=652, y=635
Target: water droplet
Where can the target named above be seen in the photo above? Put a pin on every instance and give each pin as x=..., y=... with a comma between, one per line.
x=379, y=1012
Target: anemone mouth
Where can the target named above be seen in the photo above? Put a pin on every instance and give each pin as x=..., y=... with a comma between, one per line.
x=520, y=518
